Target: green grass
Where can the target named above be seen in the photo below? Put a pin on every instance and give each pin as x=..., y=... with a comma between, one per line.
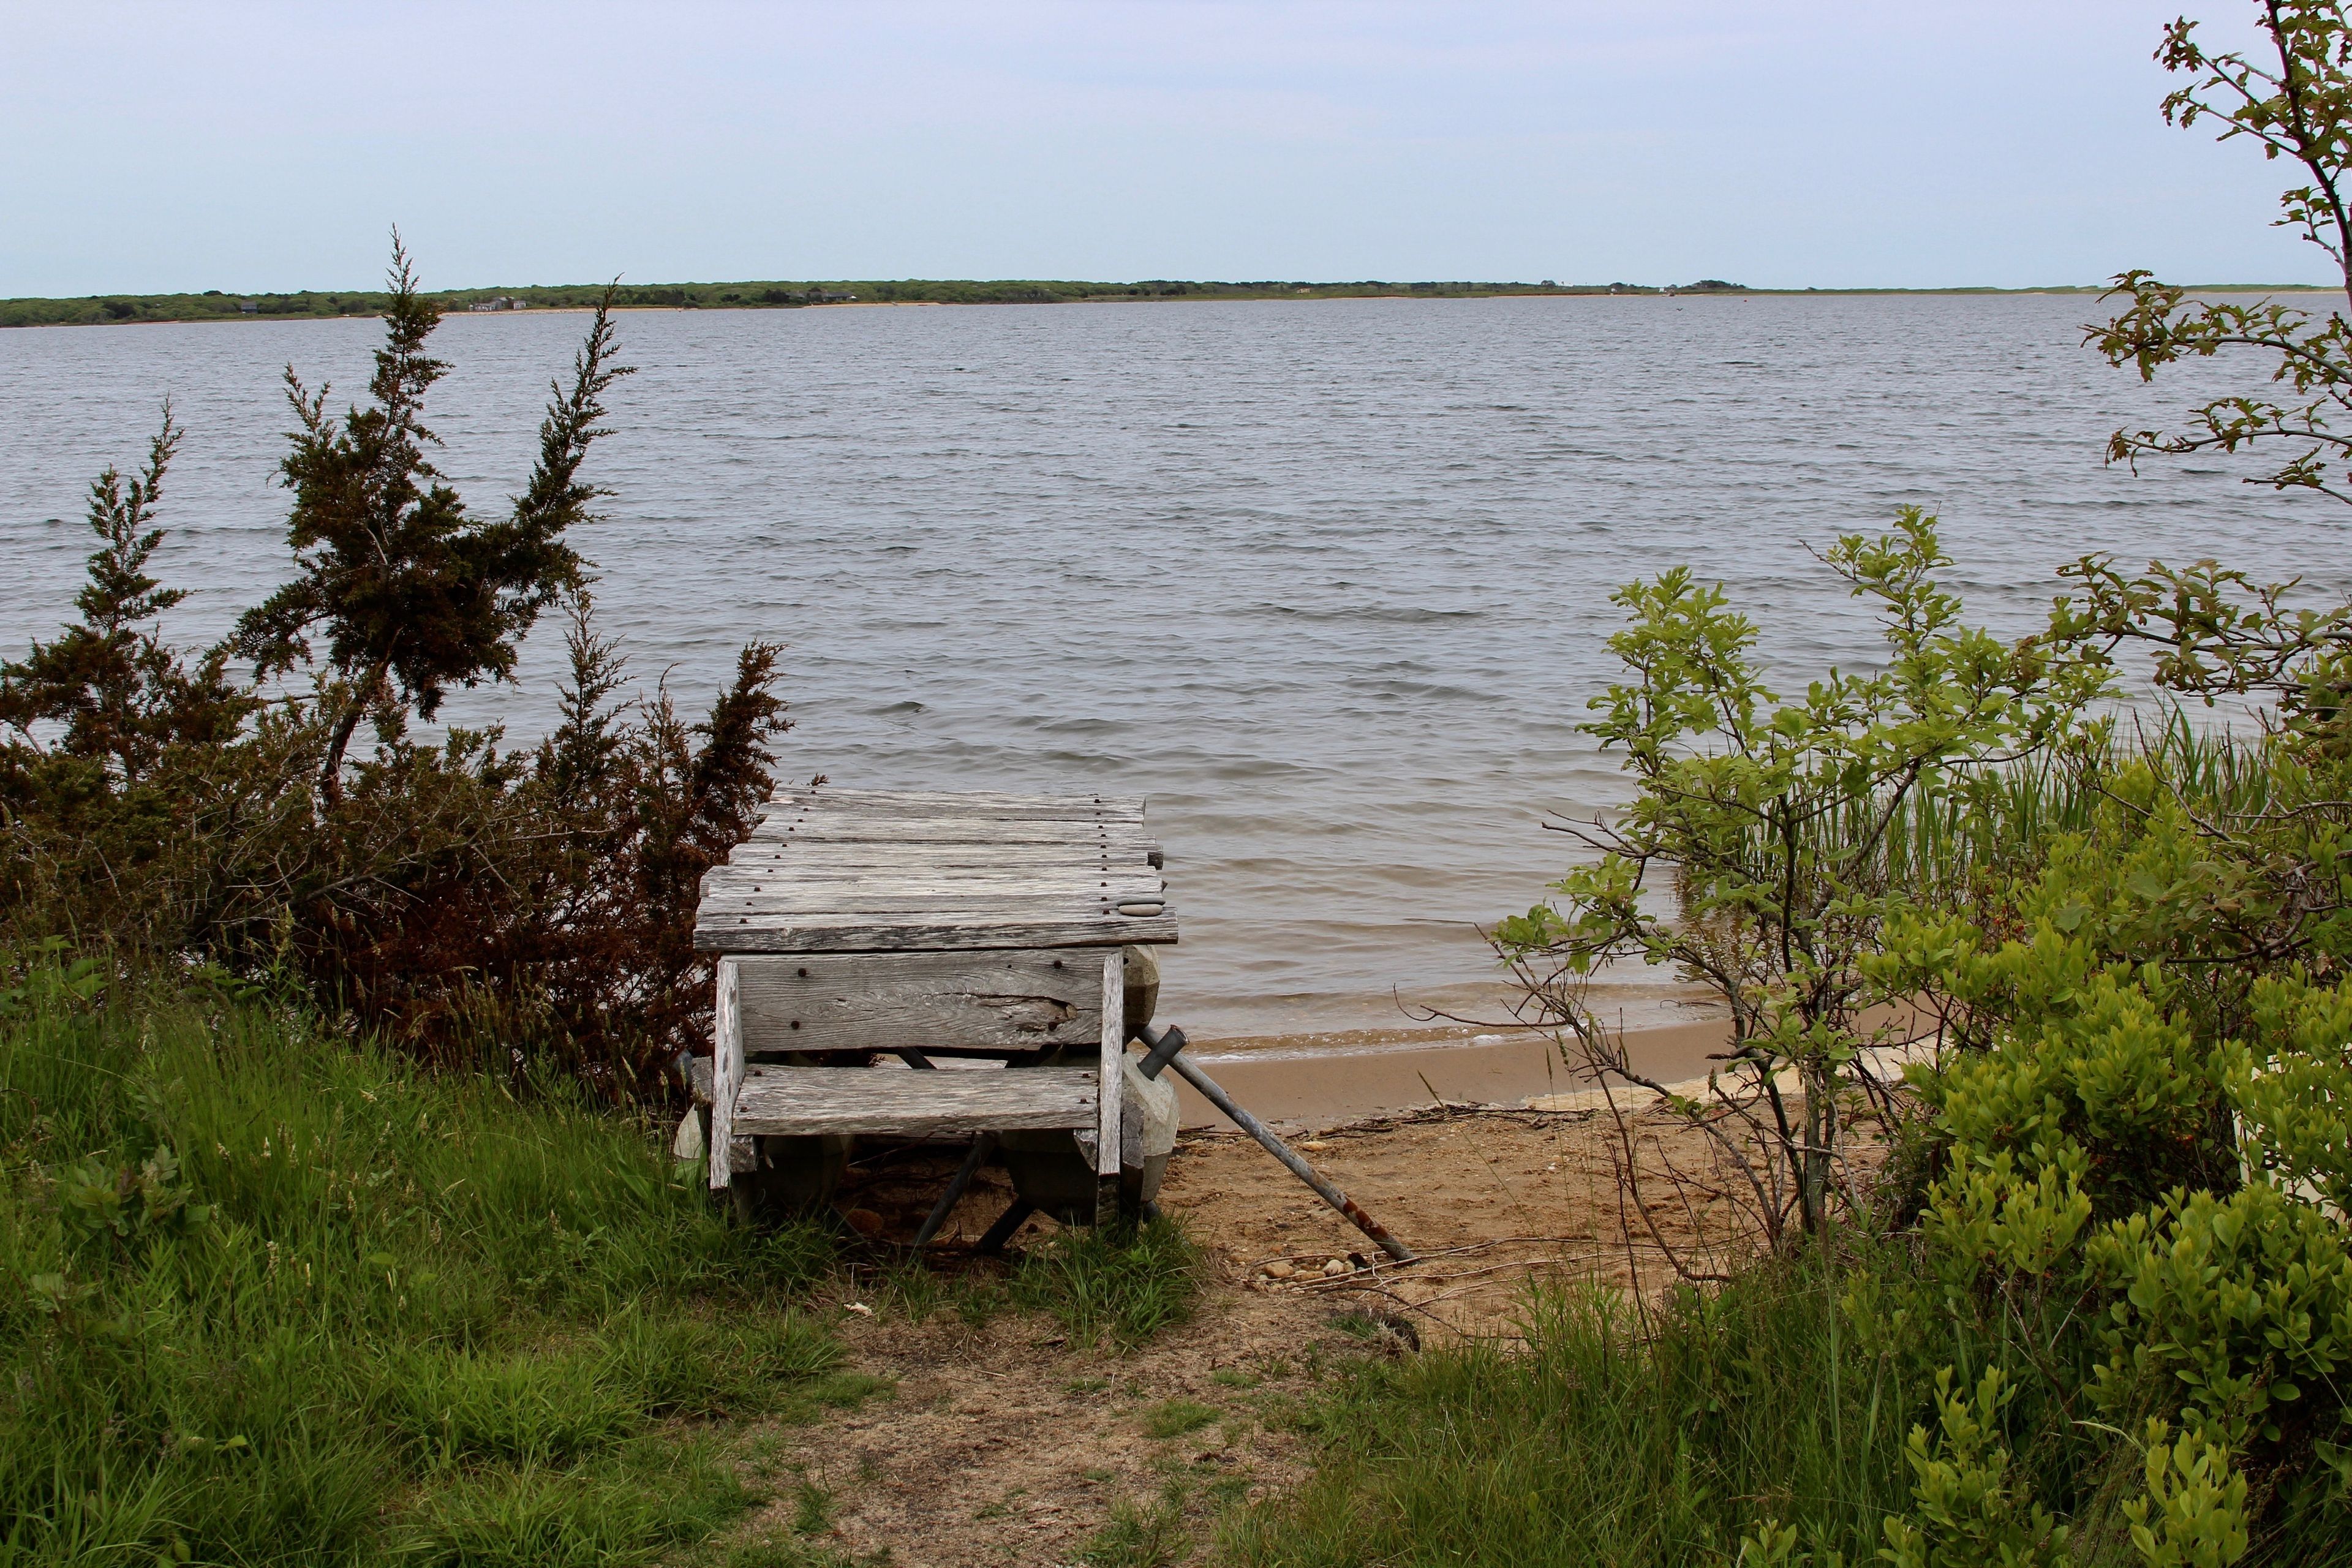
x=1141, y=1535
x=784, y=1552
x=1606, y=1440
x=267, y=1296
x=1174, y=1417
x=1126, y=1287
x=628, y=1507
x=2010, y=816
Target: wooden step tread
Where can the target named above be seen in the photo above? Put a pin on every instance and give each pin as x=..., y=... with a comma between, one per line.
x=791, y=1101
x=835, y=870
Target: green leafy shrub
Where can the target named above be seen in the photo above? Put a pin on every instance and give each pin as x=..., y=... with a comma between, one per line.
x=467, y=902
x=1777, y=828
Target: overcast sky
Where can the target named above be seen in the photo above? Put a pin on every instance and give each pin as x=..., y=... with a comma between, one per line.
x=1781, y=142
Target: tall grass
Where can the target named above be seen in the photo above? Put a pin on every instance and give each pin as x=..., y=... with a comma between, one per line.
x=267, y=1295
x=2003, y=819
x=1667, y=1433
x=1606, y=1438
x=1932, y=844
x=1128, y=1286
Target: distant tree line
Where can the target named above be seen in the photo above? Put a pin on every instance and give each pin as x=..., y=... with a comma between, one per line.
x=266, y=806
x=214, y=304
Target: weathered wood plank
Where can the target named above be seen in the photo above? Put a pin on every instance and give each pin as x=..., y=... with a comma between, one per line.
x=756, y=877
x=952, y=810
x=852, y=898
x=779, y=869
x=941, y=824
x=1010, y=881
x=900, y=914
x=756, y=883
x=835, y=870
x=828, y=855
x=944, y=829
x=956, y=838
x=1074, y=809
x=1111, y=1072
x=744, y=933
x=727, y=1074
x=780, y=890
x=897, y=802
x=784, y=872
x=948, y=931
x=1016, y=1001
x=778, y=1102
x=860, y=793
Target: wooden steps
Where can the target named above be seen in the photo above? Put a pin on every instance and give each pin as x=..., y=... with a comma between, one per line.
x=832, y=870
x=984, y=924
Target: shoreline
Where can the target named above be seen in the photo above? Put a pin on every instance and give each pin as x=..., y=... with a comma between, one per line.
x=1278, y=1081
x=457, y=311
x=1333, y=1086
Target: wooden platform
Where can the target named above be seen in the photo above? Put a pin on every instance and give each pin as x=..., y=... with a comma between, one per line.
x=854, y=921
x=831, y=870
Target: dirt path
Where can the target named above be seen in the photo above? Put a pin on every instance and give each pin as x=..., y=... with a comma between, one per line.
x=1003, y=1443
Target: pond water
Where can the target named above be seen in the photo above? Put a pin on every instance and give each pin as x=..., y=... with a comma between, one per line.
x=1328, y=582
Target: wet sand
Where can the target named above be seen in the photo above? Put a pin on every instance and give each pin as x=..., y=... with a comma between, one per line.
x=1334, y=1083
x=1327, y=1080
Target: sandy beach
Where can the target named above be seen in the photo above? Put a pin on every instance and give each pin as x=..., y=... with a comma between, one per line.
x=1003, y=1442
x=1328, y=1079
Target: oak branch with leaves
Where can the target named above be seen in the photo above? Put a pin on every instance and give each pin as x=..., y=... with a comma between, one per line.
x=1766, y=846
x=2295, y=104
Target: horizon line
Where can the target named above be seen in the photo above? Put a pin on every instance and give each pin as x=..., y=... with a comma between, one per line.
x=123, y=308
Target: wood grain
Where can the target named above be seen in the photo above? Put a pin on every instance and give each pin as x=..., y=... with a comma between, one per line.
x=727, y=1073
x=1111, y=1065
x=779, y=1101
x=1011, y=881
x=890, y=871
x=818, y=858
x=744, y=933
x=890, y=910
x=942, y=830
x=915, y=803
x=1013, y=1001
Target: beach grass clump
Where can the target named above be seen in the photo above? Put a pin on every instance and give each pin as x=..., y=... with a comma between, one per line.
x=268, y=1294
x=1126, y=1285
x=1605, y=1438
x=1141, y=1533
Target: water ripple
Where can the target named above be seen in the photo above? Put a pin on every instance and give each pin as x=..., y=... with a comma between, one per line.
x=1329, y=583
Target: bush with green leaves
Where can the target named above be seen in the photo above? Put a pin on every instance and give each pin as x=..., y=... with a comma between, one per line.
x=1770, y=841
x=458, y=897
x=2143, y=1167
